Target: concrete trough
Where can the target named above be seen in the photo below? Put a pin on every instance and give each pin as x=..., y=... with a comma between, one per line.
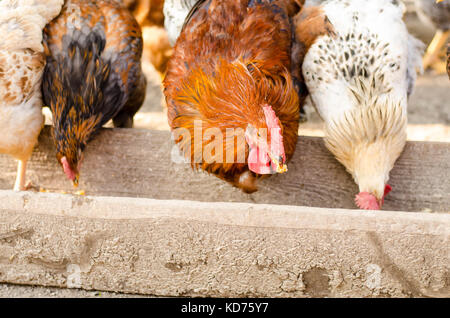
x=151, y=226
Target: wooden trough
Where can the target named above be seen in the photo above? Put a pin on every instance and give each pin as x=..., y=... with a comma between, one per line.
x=152, y=226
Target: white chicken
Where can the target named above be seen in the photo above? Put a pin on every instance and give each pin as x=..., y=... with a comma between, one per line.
x=175, y=13
x=21, y=67
x=359, y=79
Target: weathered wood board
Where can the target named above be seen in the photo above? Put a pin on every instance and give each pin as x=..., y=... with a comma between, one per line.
x=137, y=163
x=187, y=248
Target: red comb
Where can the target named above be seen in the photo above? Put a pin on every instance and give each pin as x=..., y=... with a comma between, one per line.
x=387, y=189
x=67, y=170
x=366, y=201
x=271, y=118
x=276, y=136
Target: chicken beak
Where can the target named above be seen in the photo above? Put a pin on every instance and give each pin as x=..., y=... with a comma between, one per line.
x=380, y=203
x=76, y=180
x=280, y=166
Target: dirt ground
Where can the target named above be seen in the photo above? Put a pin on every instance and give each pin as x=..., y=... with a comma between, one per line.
x=429, y=120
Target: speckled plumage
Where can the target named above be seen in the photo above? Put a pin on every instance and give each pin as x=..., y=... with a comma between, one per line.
x=175, y=13
x=93, y=72
x=21, y=66
x=359, y=80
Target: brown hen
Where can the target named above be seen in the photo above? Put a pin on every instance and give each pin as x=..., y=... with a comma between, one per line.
x=93, y=74
x=230, y=83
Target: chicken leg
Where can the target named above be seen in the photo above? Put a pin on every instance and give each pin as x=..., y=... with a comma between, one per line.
x=20, y=178
x=432, y=53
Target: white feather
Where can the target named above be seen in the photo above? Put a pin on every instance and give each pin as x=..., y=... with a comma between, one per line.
x=359, y=80
x=21, y=67
x=175, y=12
x=377, y=20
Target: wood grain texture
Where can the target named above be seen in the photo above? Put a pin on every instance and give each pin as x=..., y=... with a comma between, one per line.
x=137, y=163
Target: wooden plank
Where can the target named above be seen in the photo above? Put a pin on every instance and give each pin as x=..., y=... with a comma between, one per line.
x=137, y=163
x=186, y=248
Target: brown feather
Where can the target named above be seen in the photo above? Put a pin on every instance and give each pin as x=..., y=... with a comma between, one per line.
x=93, y=72
x=229, y=61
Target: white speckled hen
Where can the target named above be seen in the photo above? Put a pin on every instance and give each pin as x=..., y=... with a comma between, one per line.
x=359, y=79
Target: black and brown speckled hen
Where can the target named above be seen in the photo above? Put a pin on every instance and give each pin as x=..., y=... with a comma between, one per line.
x=93, y=74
